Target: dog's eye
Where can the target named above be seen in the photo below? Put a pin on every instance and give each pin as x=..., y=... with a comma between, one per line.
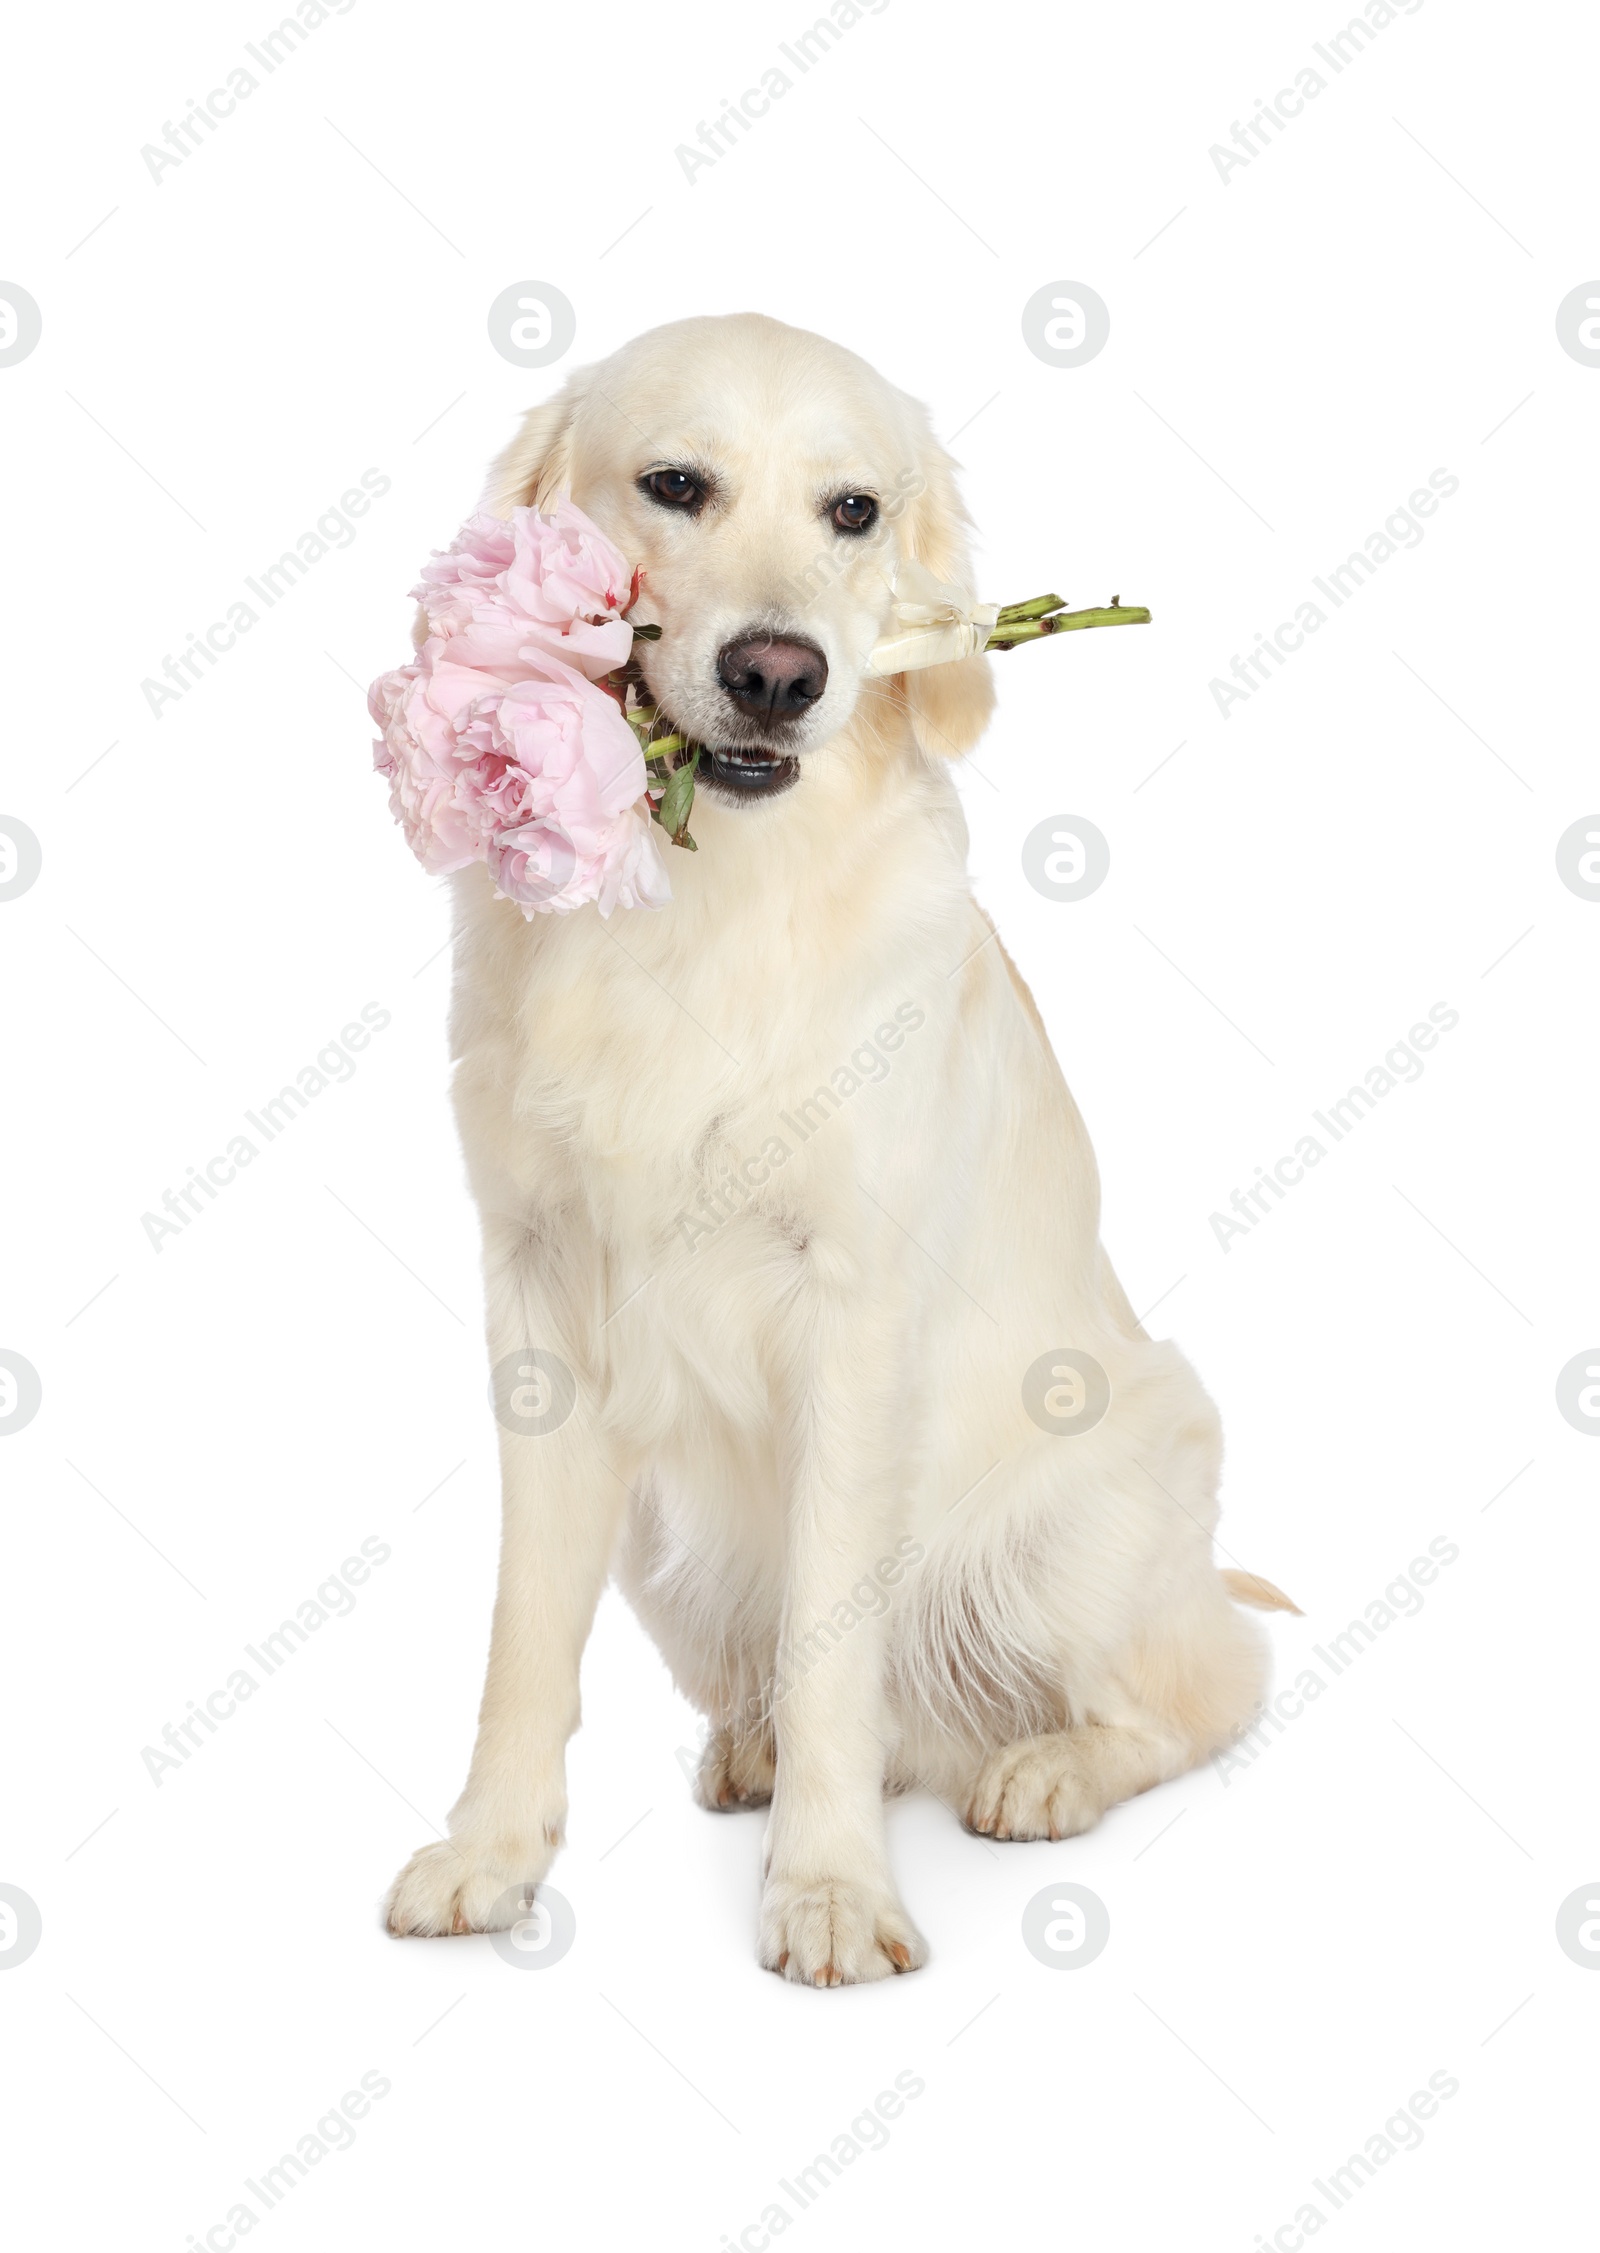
x=854, y=512
x=673, y=488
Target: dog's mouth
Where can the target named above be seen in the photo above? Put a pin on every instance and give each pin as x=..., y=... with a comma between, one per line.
x=740, y=776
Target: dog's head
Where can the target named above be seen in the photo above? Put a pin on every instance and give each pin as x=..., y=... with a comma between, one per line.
x=768, y=484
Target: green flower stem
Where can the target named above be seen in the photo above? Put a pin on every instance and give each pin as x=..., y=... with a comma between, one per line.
x=1015, y=623
x=1009, y=633
x=1012, y=612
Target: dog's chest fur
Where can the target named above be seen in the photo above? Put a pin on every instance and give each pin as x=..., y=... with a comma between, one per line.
x=686, y=1106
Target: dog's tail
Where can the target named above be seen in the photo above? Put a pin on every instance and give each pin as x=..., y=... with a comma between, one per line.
x=1250, y=1588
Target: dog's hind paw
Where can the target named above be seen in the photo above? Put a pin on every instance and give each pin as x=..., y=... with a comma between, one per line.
x=734, y=1772
x=830, y=1932
x=1036, y=1788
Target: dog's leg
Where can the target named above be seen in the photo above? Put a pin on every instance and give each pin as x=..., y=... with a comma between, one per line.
x=561, y=1508
x=1057, y=1785
x=1181, y=1688
x=829, y=1912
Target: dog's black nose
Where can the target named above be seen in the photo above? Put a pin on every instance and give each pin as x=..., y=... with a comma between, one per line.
x=772, y=680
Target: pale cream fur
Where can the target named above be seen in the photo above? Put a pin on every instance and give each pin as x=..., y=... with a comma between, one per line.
x=786, y=1367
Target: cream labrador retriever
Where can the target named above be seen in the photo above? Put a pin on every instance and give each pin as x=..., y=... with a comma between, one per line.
x=797, y=1307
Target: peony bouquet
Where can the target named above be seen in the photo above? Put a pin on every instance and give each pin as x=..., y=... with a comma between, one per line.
x=519, y=735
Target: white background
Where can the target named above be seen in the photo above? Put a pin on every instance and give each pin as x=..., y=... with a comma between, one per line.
x=1373, y=1899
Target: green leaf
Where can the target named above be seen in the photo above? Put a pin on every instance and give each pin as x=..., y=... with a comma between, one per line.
x=678, y=798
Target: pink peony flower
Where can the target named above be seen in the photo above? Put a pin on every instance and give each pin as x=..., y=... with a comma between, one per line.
x=497, y=743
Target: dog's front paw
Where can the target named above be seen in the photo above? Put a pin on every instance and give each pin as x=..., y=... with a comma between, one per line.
x=455, y=1885
x=734, y=1772
x=832, y=1932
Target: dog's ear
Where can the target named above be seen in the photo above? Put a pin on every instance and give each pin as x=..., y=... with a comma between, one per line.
x=949, y=705
x=537, y=465
x=533, y=468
